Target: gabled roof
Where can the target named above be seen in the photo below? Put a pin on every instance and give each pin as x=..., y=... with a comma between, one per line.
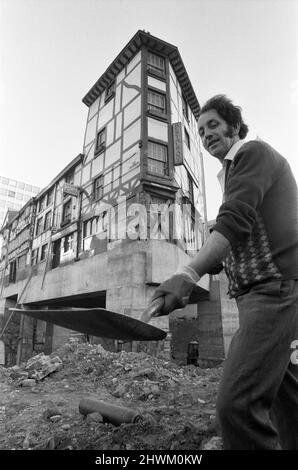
x=9, y=216
x=78, y=159
x=140, y=39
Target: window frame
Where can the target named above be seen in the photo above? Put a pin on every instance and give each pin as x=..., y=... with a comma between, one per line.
x=68, y=241
x=50, y=197
x=166, y=163
x=46, y=217
x=99, y=148
x=41, y=204
x=43, y=251
x=95, y=188
x=185, y=111
x=12, y=271
x=157, y=112
x=154, y=69
x=69, y=177
x=190, y=187
x=110, y=91
x=186, y=138
x=34, y=256
x=39, y=226
x=67, y=220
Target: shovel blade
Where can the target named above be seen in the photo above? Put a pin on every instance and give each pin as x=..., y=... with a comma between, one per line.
x=99, y=322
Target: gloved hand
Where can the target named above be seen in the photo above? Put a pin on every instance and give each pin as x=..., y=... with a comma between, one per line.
x=176, y=290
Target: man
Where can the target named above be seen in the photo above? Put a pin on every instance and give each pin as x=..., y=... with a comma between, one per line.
x=256, y=237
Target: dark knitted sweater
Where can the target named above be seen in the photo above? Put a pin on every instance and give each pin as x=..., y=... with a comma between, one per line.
x=259, y=217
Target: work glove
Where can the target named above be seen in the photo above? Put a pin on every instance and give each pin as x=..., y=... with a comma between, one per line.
x=176, y=290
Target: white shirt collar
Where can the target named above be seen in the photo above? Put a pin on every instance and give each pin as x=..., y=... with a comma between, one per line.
x=229, y=156
x=234, y=149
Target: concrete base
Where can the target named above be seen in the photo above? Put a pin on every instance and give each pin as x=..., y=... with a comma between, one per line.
x=212, y=323
x=125, y=277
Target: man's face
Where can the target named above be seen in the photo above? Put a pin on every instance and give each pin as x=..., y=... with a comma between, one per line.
x=217, y=136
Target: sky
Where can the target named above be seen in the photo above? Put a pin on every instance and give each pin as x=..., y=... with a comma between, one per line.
x=53, y=51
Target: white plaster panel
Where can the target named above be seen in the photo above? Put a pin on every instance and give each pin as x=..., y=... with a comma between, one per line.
x=188, y=158
x=77, y=178
x=173, y=93
x=128, y=94
x=108, y=177
x=131, y=163
x=132, y=134
x=118, y=98
x=89, y=152
x=132, y=111
x=113, y=154
x=192, y=160
x=120, y=76
x=107, y=188
x=131, y=174
x=197, y=164
x=154, y=82
x=86, y=173
x=179, y=107
x=110, y=132
x=87, y=243
x=101, y=100
x=105, y=114
x=116, y=176
x=179, y=88
x=134, y=77
x=93, y=108
x=157, y=129
x=184, y=179
x=197, y=195
x=174, y=113
x=118, y=125
x=35, y=243
x=97, y=165
x=177, y=173
x=186, y=124
x=59, y=194
x=172, y=73
x=91, y=130
x=133, y=62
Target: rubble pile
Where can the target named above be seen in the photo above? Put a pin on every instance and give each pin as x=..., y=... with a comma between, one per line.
x=37, y=368
x=41, y=400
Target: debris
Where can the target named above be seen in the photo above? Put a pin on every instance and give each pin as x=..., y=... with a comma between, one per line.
x=51, y=411
x=28, y=383
x=66, y=427
x=26, y=443
x=94, y=417
x=55, y=418
x=38, y=367
x=215, y=443
x=174, y=404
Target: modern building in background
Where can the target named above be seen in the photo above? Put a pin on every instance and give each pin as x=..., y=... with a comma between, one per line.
x=122, y=216
x=14, y=194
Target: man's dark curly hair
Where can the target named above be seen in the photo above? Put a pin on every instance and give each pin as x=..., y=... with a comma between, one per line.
x=228, y=111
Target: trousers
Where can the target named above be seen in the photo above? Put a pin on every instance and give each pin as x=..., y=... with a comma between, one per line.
x=257, y=402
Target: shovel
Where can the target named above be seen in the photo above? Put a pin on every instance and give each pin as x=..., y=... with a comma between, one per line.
x=102, y=322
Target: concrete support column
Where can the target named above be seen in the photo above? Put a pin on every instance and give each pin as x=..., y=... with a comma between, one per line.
x=129, y=294
x=11, y=334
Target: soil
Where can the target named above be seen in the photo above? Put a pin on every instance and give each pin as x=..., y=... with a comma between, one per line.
x=176, y=403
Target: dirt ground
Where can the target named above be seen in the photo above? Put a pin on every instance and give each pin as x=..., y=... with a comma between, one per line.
x=176, y=404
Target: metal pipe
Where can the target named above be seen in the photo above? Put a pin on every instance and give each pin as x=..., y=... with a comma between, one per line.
x=111, y=413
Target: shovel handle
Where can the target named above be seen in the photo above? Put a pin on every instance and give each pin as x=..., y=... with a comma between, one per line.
x=153, y=309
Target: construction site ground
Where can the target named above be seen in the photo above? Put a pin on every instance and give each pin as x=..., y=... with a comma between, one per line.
x=176, y=403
